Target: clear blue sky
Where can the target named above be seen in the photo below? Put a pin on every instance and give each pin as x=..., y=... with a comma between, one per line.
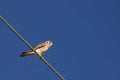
x=85, y=33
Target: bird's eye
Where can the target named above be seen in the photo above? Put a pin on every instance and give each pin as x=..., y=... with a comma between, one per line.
x=48, y=42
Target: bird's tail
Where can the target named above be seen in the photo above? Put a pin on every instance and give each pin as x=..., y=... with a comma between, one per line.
x=24, y=54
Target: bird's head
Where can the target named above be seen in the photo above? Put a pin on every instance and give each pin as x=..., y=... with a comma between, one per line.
x=48, y=43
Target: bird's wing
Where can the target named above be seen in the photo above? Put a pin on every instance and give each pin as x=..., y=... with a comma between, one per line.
x=40, y=45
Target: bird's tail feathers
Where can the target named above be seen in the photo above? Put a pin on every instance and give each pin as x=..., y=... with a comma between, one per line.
x=24, y=54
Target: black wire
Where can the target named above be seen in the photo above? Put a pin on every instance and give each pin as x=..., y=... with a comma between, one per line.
x=42, y=58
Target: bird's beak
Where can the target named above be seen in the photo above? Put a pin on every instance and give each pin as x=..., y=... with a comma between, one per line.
x=51, y=43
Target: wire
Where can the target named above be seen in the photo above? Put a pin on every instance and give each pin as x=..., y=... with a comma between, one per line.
x=21, y=38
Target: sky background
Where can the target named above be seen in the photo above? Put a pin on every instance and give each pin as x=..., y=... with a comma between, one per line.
x=85, y=35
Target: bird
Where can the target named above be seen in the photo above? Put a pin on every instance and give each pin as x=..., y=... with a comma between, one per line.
x=40, y=49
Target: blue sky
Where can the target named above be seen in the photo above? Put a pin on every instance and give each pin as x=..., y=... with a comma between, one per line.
x=85, y=35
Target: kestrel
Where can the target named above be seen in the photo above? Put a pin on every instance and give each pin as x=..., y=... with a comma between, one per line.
x=40, y=49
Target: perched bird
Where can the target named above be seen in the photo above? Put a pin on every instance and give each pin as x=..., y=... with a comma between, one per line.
x=40, y=49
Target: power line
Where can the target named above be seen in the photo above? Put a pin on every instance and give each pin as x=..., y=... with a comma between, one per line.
x=21, y=38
